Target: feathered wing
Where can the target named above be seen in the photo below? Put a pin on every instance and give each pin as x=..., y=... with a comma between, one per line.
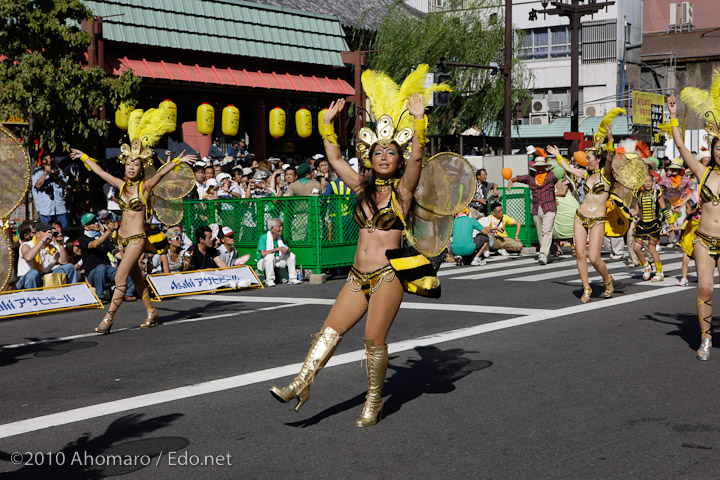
x=698, y=100
x=153, y=125
x=715, y=93
x=606, y=122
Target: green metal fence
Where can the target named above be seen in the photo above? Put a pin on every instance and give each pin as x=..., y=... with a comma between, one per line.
x=320, y=230
x=517, y=204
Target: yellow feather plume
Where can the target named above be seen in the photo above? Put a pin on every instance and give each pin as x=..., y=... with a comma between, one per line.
x=607, y=120
x=134, y=121
x=153, y=125
x=387, y=98
x=697, y=100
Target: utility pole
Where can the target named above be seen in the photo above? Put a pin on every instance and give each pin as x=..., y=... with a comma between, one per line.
x=574, y=11
x=507, y=71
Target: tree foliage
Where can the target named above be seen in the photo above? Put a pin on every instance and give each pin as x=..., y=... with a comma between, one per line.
x=476, y=36
x=44, y=76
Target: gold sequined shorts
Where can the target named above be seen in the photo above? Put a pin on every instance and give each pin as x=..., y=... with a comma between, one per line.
x=368, y=283
x=711, y=244
x=123, y=242
x=588, y=222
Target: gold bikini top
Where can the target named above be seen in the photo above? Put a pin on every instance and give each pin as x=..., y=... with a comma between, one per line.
x=136, y=204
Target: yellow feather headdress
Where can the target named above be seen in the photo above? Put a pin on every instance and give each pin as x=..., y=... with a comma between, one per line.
x=706, y=103
x=388, y=103
x=599, y=136
x=145, y=129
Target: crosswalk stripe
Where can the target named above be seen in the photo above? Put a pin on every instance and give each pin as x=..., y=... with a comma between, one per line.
x=666, y=268
x=493, y=264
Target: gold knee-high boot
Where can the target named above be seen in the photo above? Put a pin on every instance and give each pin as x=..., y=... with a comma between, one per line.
x=323, y=347
x=377, y=363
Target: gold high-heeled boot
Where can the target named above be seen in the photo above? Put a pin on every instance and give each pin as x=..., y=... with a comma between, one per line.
x=377, y=363
x=323, y=347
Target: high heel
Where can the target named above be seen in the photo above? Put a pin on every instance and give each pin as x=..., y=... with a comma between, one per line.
x=609, y=288
x=151, y=320
x=323, y=347
x=585, y=298
x=647, y=273
x=703, y=353
x=105, y=325
x=377, y=363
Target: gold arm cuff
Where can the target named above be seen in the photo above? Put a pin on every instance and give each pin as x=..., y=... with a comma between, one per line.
x=176, y=161
x=421, y=131
x=330, y=135
x=674, y=123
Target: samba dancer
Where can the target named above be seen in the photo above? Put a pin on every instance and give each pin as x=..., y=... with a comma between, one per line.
x=134, y=200
x=384, y=202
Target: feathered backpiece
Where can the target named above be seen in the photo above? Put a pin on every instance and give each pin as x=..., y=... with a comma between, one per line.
x=642, y=149
x=706, y=103
x=388, y=103
x=145, y=129
x=599, y=136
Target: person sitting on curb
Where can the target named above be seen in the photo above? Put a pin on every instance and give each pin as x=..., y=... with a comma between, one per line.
x=466, y=248
x=203, y=254
x=272, y=253
x=41, y=253
x=498, y=223
x=96, y=246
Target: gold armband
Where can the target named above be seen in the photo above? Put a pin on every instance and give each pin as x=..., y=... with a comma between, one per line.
x=610, y=147
x=330, y=135
x=560, y=158
x=674, y=123
x=421, y=131
x=176, y=161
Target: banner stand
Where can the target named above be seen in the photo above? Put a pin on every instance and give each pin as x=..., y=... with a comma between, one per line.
x=166, y=285
x=35, y=301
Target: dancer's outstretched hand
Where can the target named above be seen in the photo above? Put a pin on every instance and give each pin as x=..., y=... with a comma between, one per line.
x=553, y=150
x=333, y=110
x=672, y=105
x=189, y=159
x=416, y=105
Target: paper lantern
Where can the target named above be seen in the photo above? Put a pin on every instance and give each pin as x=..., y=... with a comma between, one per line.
x=321, y=121
x=303, y=122
x=170, y=110
x=205, y=119
x=122, y=115
x=230, y=120
x=277, y=122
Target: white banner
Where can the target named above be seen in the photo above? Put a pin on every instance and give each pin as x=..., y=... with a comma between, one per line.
x=40, y=300
x=198, y=281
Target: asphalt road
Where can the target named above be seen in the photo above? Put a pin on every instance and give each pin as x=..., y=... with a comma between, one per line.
x=507, y=376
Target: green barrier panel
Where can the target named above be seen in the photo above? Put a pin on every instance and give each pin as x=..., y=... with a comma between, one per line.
x=517, y=204
x=320, y=230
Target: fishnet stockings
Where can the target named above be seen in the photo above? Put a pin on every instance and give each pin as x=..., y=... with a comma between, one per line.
x=382, y=307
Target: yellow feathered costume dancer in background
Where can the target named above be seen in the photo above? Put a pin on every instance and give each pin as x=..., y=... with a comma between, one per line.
x=706, y=103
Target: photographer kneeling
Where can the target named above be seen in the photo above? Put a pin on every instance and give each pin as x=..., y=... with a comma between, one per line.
x=41, y=252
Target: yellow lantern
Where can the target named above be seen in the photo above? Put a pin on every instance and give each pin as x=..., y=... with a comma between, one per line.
x=303, y=122
x=134, y=120
x=321, y=121
x=277, y=122
x=205, y=119
x=230, y=120
x=122, y=115
x=170, y=110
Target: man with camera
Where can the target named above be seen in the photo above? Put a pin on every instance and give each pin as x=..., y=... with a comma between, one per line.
x=304, y=185
x=95, y=245
x=41, y=252
x=48, y=191
x=259, y=187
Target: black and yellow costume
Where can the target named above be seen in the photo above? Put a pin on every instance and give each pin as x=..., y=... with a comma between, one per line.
x=156, y=239
x=649, y=222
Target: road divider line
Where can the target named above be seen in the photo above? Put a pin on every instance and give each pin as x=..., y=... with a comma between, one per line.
x=213, y=386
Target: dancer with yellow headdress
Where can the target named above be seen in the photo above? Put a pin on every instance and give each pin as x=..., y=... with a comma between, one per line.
x=707, y=236
x=134, y=198
x=394, y=152
x=591, y=215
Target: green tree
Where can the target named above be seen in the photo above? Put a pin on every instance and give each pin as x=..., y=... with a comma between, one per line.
x=45, y=78
x=474, y=35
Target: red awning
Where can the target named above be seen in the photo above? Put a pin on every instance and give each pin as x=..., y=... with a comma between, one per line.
x=232, y=77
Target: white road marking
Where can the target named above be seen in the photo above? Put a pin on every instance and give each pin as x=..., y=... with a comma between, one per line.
x=156, y=398
x=635, y=273
x=493, y=264
x=511, y=271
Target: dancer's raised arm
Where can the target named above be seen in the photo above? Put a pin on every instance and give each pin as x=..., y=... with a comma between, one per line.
x=332, y=150
x=409, y=181
x=76, y=154
x=695, y=167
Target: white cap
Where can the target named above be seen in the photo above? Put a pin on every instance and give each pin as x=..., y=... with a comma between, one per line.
x=318, y=156
x=222, y=177
x=247, y=171
x=199, y=164
x=227, y=231
x=285, y=166
x=530, y=149
x=211, y=182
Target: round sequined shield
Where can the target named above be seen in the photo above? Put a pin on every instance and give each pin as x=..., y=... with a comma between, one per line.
x=15, y=176
x=176, y=184
x=6, y=259
x=629, y=170
x=447, y=184
x=431, y=233
x=170, y=212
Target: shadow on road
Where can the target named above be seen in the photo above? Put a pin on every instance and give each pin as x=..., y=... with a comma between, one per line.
x=100, y=457
x=436, y=371
x=9, y=356
x=687, y=326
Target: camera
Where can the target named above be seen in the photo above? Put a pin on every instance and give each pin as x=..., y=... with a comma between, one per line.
x=55, y=234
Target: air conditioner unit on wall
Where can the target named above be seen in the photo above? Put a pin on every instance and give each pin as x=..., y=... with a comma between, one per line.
x=594, y=111
x=675, y=14
x=539, y=119
x=687, y=13
x=540, y=106
x=554, y=105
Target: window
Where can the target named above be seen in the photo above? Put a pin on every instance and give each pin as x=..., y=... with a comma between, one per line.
x=546, y=43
